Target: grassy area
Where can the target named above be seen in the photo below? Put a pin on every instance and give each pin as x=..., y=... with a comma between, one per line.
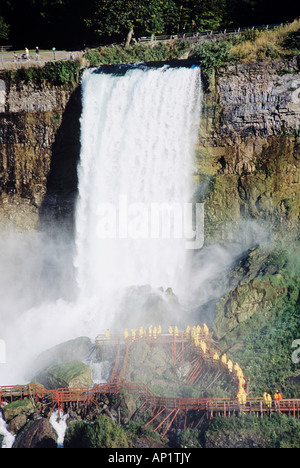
x=249, y=46
x=279, y=42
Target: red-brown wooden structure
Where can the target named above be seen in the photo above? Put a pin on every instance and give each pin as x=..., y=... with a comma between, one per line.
x=165, y=410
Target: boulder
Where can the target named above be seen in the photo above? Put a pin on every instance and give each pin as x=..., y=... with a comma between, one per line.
x=17, y=408
x=66, y=375
x=16, y=424
x=37, y=434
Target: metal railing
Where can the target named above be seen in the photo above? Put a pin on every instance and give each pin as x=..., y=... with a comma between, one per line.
x=212, y=33
x=5, y=48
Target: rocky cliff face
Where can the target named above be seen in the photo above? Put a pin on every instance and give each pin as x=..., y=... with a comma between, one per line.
x=249, y=153
x=247, y=161
x=38, y=139
x=249, y=167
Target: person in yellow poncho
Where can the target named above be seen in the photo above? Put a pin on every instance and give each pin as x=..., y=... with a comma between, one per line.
x=241, y=396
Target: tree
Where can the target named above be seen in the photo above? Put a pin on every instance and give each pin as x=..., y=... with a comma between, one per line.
x=210, y=14
x=47, y=23
x=119, y=18
x=4, y=29
x=199, y=15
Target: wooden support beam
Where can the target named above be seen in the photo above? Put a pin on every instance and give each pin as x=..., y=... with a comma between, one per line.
x=160, y=424
x=170, y=422
x=155, y=417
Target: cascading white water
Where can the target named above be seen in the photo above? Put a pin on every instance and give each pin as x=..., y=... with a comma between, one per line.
x=7, y=438
x=58, y=420
x=138, y=135
x=139, y=130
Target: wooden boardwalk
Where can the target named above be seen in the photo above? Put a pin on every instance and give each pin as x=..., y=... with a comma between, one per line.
x=62, y=397
x=165, y=410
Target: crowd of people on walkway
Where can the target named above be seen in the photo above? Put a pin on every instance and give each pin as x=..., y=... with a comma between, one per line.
x=199, y=336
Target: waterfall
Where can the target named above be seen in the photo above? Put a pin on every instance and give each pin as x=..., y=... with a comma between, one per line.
x=138, y=135
x=58, y=420
x=6, y=438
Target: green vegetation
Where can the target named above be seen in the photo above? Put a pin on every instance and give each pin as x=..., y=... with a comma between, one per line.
x=279, y=42
x=54, y=73
x=250, y=45
x=292, y=41
x=212, y=55
x=73, y=374
x=136, y=53
x=4, y=30
x=115, y=19
x=16, y=408
x=102, y=433
x=265, y=340
x=276, y=431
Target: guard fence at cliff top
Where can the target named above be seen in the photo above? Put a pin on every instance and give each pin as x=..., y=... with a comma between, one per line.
x=20, y=59
x=211, y=33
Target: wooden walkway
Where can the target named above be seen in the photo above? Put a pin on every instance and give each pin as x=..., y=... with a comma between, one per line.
x=203, y=352
x=62, y=397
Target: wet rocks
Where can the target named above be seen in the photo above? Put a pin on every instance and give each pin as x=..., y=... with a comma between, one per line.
x=74, y=374
x=18, y=408
x=37, y=434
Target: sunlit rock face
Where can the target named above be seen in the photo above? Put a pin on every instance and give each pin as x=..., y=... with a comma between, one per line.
x=249, y=152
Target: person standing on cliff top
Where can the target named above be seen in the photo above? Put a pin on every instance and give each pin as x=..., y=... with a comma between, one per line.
x=27, y=53
x=37, y=54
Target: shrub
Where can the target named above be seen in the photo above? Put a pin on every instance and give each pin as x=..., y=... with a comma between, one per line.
x=103, y=433
x=61, y=72
x=115, y=55
x=292, y=41
x=276, y=431
x=55, y=73
x=212, y=55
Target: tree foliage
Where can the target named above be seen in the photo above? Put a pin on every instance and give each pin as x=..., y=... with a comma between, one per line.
x=4, y=29
x=116, y=19
x=74, y=23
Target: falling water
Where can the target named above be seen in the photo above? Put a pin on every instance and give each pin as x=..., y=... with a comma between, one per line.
x=138, y=135
x=6, y=438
